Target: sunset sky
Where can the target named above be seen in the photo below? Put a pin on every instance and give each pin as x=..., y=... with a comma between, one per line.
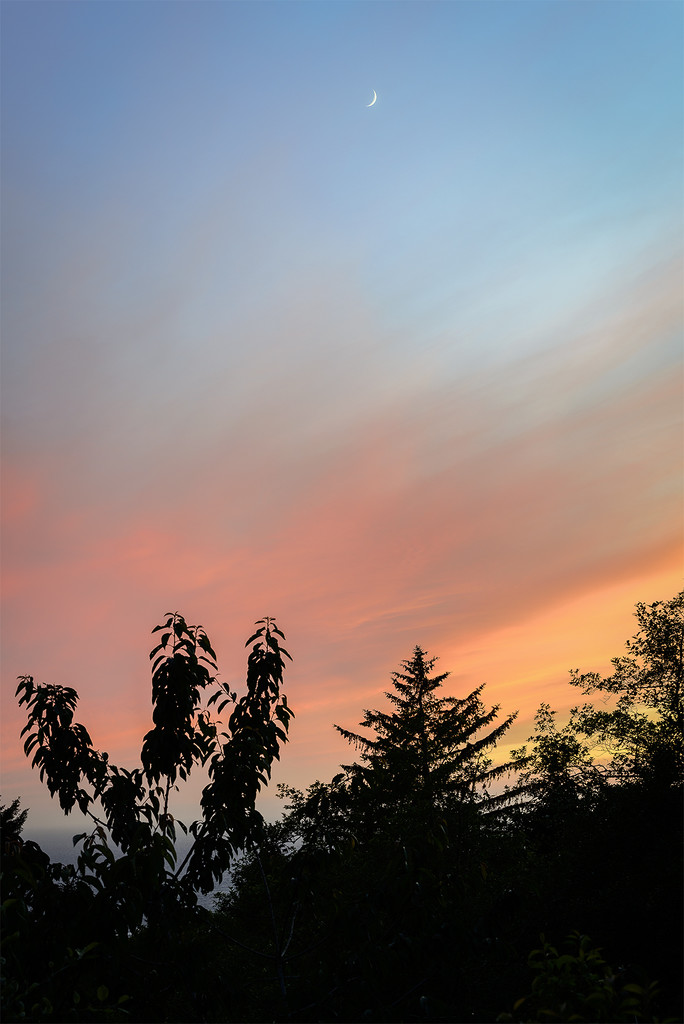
x=402, y=374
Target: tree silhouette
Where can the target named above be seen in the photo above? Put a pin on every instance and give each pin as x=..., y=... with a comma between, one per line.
x=409, y=887
x=644, y=733
x=379, y=877
x=136, y=803
x=434, y=748
x=85, y=938
x=12, y=821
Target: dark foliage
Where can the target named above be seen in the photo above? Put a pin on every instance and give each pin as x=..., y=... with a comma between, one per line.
x=82, y=943
x=413, y=886
x=12, y=821
x=433, y=749
x=394, y=893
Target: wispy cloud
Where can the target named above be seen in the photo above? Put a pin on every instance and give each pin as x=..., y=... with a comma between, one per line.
x=431, y=511
x=403, y=379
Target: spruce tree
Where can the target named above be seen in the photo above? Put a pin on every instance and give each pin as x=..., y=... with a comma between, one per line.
x=431, y=748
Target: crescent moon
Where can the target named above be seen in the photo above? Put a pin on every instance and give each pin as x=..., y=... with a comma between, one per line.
x=375, y=96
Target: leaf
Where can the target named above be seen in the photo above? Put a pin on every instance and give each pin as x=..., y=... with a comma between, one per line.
x=165, y=625
x=102, y=993
x=30, y=744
